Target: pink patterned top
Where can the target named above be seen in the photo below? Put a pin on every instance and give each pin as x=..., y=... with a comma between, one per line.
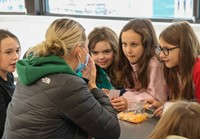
x=157, y=88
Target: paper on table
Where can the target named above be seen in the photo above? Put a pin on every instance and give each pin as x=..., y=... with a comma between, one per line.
x=114, y=93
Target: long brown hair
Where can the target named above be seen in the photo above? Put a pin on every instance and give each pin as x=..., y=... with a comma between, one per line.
x=182, y=119
x=145, y=29
x=99, y=34
x=181, y=34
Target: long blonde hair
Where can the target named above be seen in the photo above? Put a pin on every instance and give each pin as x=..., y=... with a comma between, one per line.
x=182, y=119
x=61, y=37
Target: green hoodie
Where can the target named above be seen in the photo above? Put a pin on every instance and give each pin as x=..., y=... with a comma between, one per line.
x=103, y=80
x=33, y=68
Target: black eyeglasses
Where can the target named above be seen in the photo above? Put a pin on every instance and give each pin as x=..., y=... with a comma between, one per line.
x=158, y=50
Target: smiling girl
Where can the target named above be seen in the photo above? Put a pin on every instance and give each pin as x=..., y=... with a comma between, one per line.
x=9, y=55
x=103, y=47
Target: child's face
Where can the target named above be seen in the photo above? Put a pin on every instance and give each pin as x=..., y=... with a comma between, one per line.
x=132, y=46
x=172, y=59
x=103, y=54
x=9, y=55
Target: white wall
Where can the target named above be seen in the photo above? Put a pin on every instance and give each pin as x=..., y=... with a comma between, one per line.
x=31, y=29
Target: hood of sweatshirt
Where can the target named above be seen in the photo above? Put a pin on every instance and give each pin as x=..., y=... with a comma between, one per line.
x=33, y=68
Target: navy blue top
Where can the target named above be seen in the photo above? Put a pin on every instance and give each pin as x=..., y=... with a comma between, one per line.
x=6, y=92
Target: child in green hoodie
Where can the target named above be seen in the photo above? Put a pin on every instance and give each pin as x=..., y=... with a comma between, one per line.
x=103, y=47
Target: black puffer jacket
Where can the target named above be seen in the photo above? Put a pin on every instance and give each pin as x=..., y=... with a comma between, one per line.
x=60, y=106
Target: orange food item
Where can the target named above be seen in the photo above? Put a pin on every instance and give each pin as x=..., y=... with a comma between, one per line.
x=146, y=106
x=131, y=117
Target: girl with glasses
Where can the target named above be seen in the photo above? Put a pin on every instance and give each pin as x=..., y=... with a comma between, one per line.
x=9, y=55
x=139, y=71
x=180, y=50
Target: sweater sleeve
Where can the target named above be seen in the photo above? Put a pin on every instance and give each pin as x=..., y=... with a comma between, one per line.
x=157, y=87
x=91, y=111
x=196, y=79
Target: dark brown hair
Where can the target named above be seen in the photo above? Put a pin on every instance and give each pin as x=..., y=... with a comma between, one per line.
x=145, y=29
x=5, y=34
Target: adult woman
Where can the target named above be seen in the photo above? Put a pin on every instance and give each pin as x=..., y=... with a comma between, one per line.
x=50, y=100
x=139, y=71
x=9, y=55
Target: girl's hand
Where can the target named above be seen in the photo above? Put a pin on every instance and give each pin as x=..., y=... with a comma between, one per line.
x=154, y=103
x=159, y=111
x=119, y=103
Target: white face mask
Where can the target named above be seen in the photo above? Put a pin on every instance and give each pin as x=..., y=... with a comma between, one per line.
x=81, y=66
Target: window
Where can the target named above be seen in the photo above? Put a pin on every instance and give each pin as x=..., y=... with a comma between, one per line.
x=12, y=6
x=155, y=9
